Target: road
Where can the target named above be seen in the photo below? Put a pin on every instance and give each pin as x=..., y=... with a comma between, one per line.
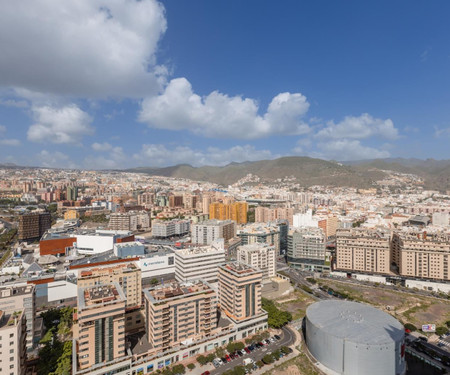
x=287, y=338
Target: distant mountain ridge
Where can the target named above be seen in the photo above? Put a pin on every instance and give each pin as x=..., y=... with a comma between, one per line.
x=309, y=171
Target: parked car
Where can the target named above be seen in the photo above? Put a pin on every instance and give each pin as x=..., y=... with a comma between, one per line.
x=206, y=373
x=272, y=339
x=267, y=341
x=243, y=352
x=228, y=358
x=259, y=345
x=277, y=337
x=247, y=350
x=238, y=352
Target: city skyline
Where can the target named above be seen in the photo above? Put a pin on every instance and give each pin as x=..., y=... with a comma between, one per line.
x=158, y=83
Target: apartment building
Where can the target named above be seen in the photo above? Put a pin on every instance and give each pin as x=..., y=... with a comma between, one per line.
x=266, y=214
x=306, y=249
x=165, y=229
x=365, y=250
x=199, y=263
x=99, y=325
x=20, y=298
x=132, y=221
x=423, y=255
x=13, y=353
x=208, y=231
x=33, y=225
x=128, y=276
x=236, y=211
x=146, y=199
x=260, y=256
x=180, y=312
x=240, y=291
x=329, y=225
x=260, y=233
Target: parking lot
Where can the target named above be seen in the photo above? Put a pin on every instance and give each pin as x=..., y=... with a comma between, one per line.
x=287, y=337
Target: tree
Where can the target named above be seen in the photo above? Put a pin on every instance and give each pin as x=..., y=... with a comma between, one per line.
x=259, y=363
x=249, y=340
x=202, y=360
x=447, y=323
x=154, y=281
x=276, y=354
x=441, y=330
x=284, y=350
x=239, y=370
x=191, y=366
x=249, y=367
x=267, y=359
x=210, y=357
x=276, y=317
x=178, y=369
x=220, y=352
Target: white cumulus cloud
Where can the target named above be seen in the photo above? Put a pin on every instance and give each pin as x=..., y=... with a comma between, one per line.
x=348, y=149
x=360, y=127
x=219, y=115
x=67, y=124
x=55, y=159
x=159, y=155
x=105, y=146
x=83, y=48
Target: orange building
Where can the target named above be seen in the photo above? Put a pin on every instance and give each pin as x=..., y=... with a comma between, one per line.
x=234, y=211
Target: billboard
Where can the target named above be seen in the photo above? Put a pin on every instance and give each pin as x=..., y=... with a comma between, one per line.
x=429, y=328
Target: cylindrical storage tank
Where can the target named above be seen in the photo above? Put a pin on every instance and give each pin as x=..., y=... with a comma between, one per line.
x=351, y=338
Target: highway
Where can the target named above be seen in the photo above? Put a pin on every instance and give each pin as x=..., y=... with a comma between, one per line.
x=287, y=338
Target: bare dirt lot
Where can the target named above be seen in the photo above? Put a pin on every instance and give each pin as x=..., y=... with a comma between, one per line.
x=296, y=303
x=407, y=307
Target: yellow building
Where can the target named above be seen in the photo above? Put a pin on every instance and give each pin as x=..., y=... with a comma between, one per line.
x=71, y=215
x=235, y=211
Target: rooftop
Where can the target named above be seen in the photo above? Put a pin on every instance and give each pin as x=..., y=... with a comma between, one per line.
x=355, y=322
x=8, y=320
x=176, y=290
x=11, y=291
x=99, y=295
x=239, y=269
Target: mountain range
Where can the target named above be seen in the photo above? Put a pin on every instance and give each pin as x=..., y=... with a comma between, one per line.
x=310, y=171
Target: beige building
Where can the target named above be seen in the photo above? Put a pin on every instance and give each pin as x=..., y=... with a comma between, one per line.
x=422, y=255
x=99, y=324
x=13, y=353
x=180, y=313
x=240, y=291
x=266, y=214
x=20, y=298
x=260, y=256
x=132, y=221
x=260, y=233
x=363, y=250
x=329, y=225
x=206, y=232
x=128, y=276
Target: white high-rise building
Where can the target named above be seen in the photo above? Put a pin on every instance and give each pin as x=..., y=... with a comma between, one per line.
x=260, y=256
x=305, y=220
x=199, y=263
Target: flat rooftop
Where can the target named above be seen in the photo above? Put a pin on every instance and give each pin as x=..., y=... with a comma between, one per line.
x=99, y=295
x=177, y=290
x=9, y=320
x=239, y=269
x=12, y=291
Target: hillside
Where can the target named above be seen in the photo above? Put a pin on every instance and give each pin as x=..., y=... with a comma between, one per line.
x=307, y=171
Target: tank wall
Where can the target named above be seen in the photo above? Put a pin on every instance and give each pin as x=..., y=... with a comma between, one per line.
x=360, y=359
x=327, y=349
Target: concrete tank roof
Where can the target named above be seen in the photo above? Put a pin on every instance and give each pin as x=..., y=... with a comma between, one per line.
x=355, y=322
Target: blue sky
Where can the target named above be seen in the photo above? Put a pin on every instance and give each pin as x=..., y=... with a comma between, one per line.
x=120, y=83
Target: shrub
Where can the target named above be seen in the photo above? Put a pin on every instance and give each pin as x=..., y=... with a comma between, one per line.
x=411, y=327
x=267, y=359
x=191, y=366
x=441, y=330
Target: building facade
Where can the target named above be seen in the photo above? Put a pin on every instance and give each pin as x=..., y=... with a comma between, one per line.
x=208, y=231
x=306, y=249
x=364, y=250
x=199, y=263
x=32, y=226
x=99, y=325
x=260, y=233
x=13, y=353
x=260, y=256
x=240, y=291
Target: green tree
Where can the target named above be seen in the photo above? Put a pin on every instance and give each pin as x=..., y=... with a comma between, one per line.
x=447, y=323
x=259, y=363
x=210, y=357
x=154, y=281
x=191, y=366
x=267, y=359
x=220, y=352
x=284, y=350
x=239, y=370
x=178, y=369
x=202, y=360
x=441, y=330
x=276, y=317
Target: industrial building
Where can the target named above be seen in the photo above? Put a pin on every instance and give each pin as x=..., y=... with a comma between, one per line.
x=350, y=338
